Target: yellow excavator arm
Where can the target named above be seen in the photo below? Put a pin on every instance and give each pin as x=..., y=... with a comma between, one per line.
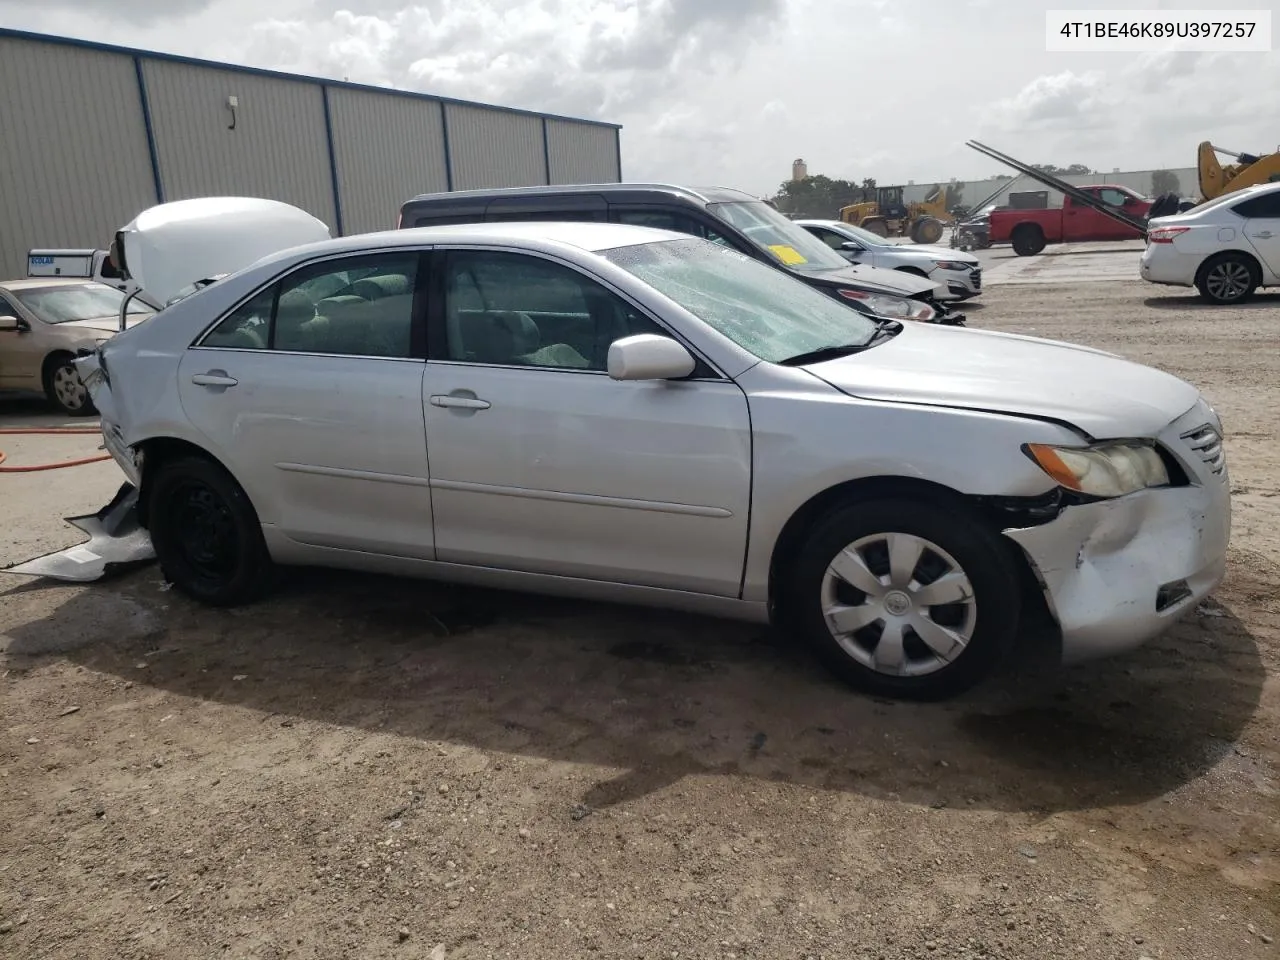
x=1216, y=179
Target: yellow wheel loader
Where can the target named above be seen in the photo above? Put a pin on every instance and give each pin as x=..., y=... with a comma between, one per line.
x=1215, y=179
x=888, y=216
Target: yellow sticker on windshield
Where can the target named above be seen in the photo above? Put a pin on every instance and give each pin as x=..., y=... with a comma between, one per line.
x=788, y=255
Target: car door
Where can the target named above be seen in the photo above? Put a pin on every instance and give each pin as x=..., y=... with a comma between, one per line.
x=22, y=351
x=1262, y=227
x=540, y=462
x=311, y=392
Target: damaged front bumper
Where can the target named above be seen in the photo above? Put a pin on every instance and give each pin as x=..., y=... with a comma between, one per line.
x=1117, y=573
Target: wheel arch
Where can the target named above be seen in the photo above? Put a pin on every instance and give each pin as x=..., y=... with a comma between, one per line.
x=997, y=513
x=1254, y=263
x=156, y=451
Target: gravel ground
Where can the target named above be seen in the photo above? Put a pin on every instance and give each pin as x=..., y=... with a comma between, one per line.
x=361, y=767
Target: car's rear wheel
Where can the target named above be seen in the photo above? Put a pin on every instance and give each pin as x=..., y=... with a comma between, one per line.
x=906, y=598
x=1228, y=278
x=64, y=388
x=1027, y=240
x=206, y=533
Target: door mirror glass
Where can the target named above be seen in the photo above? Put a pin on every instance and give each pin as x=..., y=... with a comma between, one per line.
x=852, y=246
x=648, y=356
x=9, y=322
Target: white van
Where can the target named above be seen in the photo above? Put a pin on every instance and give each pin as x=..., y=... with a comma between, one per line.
x=82, y=264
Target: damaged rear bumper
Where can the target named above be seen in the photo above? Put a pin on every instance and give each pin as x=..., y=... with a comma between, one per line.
x=1118, y=573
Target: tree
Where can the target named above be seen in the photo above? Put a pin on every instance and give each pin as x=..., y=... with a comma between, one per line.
x=816, y=196
x=1076, y=169
x=1165, y=181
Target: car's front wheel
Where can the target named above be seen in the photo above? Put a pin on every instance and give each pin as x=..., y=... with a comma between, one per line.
x=905, y=598
x=1227, y=278
x=206, y=533
x=64, y=388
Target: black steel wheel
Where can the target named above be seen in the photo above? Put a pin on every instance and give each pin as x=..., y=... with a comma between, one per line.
x=206, y=533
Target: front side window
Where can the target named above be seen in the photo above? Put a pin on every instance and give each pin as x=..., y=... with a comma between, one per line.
x=1114, y=197
x=355, y=306
x=763, y=310
x=519, y=310
x=676, y=222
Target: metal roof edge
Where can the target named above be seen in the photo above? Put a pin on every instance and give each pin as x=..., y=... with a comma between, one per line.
x=14, y=34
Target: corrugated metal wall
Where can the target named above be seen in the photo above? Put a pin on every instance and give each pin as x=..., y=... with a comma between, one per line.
x=277, y=150
x=73, y=149
x=491, y=149
x=582, y=153
x=387, y=149
x=81, y=123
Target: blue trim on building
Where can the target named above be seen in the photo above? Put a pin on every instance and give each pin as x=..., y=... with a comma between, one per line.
x=151, y=135
x=546, y=150
x=333, y=161
x=448, y=153
x=280, y=75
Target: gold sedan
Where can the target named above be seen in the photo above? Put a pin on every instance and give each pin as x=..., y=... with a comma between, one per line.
x=44, y=321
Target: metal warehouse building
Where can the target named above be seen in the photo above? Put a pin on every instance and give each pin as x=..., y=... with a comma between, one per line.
x=90, y=135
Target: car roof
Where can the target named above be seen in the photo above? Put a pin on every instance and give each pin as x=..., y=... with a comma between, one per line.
x=27, y=283
x=589, y=236
x=820, y=223
x=697, y=194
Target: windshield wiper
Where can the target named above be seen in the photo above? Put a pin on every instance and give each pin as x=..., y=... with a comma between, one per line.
x=823, y=353
x=885, y=330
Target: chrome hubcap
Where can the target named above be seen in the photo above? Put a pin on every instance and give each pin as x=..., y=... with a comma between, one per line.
x=1226, y=281
x=899, y=604
x=67, y=387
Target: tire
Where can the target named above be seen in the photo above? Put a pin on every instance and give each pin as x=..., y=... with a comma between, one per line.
x=878, y=227
x=981, y=627
x=63, y=387
x=206, y=534
x=926, y=230
x=1228, y=278
x=1027, y=240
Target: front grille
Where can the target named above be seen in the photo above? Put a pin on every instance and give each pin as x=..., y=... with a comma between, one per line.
x=1207, y=444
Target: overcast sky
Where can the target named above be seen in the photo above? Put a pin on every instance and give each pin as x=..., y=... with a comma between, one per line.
x=731, y=91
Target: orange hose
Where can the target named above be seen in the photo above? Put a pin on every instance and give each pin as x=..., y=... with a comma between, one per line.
x=51, y=432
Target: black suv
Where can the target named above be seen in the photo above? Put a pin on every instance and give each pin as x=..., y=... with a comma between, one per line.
x=719, y=214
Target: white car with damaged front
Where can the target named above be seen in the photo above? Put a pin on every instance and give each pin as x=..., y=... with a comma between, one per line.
x=957, y=273
x=627, y=414
x=1226, y=248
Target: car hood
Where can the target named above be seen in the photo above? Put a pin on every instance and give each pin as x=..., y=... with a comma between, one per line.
x=100, y=324
x=877, y=280
x=1104, y=395
x=938, y=253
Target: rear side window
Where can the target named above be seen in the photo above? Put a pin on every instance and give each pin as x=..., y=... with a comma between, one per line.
x=353, y=306
x=1266, y=206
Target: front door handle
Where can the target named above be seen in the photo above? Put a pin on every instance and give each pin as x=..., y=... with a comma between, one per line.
x=466, y=403
x=214, y=378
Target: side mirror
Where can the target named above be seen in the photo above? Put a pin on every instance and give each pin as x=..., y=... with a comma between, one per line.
x=852, y=246
x=9, y=322
x=647, y=356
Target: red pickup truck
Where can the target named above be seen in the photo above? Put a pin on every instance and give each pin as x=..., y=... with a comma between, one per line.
x=1073, y=222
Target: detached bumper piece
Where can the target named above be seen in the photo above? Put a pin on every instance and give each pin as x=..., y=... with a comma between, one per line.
x=116, y=542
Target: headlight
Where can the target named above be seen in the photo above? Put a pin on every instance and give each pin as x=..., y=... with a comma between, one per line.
x=952, y=265
x=883, y=305
x=1105, y=470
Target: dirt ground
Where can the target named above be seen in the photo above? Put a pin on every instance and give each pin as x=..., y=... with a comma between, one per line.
x=361, y=767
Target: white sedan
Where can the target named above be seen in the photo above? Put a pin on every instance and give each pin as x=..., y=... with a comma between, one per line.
x=1227, y=248
x=959, y=272
x=628, y=414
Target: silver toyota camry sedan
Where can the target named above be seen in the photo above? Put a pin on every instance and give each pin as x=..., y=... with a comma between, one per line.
x=626, y=414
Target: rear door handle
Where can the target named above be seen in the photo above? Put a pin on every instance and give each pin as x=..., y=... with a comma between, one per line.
x=213, y=379
x=466, y=403
x=1263, y=235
